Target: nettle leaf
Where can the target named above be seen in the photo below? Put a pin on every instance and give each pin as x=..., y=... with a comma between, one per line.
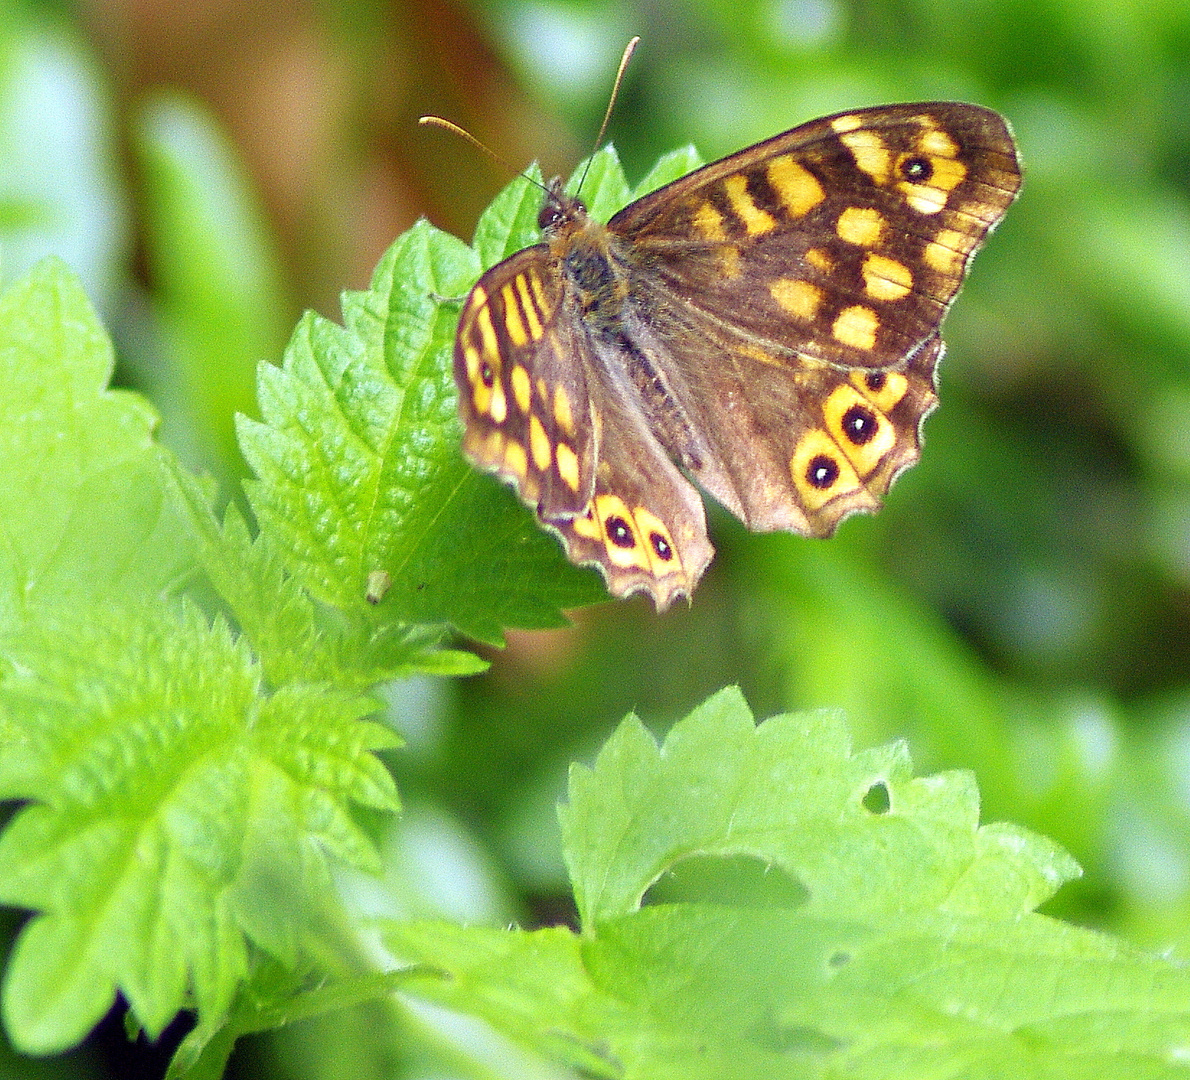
x=509, y=223
x=888, y=935
x=83, y=516
x=670, y=167
x=295, y=639
x=791, y=794
x=181, y=814
x=601, y=184
x=359, y=470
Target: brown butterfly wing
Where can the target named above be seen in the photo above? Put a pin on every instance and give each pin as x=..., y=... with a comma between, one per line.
x=844, y=240
x=549, y=415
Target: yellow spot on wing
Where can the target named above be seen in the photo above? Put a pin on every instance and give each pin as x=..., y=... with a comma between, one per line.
x=512, y=318
x=885, y=278
x=544, y=307
x=532, y=317
x=539, y=445
x=891, y=387
x=587, y=524
x=816, y=444
x=856, y=326
x=862, y=225
x=947, y=252
x=522, y=389
x=846, y=123
x=935, y=142
x=567, y=465
x=612, y=510
x=708, y=221
x=756, y=220
x=649, y=526
x=487, y=336
x=796, y=187
x=515, y=459
x=799, y=298
x=870, y=153
x=820, y=260
x=865, y=457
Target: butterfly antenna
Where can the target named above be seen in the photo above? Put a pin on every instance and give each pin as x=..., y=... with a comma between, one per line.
x=629, y=49
x=463, y=133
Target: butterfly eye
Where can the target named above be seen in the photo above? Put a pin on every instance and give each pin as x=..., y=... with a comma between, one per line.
x=551, y=214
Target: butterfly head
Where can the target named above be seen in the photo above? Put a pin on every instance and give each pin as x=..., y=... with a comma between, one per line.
x=559, y=209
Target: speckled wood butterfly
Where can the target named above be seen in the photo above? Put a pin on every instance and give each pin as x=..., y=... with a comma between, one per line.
x=768, y=325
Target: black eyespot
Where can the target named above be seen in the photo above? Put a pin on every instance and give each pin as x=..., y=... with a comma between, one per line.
x=487, y=375
x=661, y=546
x=875, y=381
x=619, y=532
x=917, y=170
x=822, y=472
x=860, y=424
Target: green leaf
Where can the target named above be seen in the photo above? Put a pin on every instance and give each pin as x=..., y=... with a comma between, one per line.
x=911, y=948
x=604, y=185
x=704, y=992
x=359, y=468
x=295, y=639
x=791, y=794
x=179, y=813
x=510, y=221
x=83, y=516
x=670, y=167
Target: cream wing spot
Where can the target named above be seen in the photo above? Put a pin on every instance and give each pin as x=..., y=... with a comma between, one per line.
x=522, y=388
x=567, y=465
x=856, y=326
x=799, y=298
x=870, y=152
x=885, y=278
x=756, y=221
x=621, y=543
x=820, y=260
x=947, y=253
x=862, y=433
x=884, y=389
x=516, y=461
x=659, y=546
x=532, y=315
x=563, y=413
x=861, y=225
x=539, y=445
x=517, y=333
x=819, y=471
x=796, y=187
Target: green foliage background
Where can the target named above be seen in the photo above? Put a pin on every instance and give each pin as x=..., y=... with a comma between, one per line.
x=1021, y=607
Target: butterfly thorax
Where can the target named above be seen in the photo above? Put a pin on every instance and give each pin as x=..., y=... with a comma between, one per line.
x=584, y=249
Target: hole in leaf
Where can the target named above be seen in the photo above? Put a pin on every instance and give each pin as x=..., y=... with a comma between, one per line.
x=877, y=801
x=731, y=880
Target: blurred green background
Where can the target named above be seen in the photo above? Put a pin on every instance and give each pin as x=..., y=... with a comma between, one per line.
x=1022, y=605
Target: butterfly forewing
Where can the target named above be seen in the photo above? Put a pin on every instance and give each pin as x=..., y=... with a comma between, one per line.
x=523, y=393
x=844, y=240
x=770, y=323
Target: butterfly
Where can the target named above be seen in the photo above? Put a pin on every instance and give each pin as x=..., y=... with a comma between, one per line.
x=768, y=326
